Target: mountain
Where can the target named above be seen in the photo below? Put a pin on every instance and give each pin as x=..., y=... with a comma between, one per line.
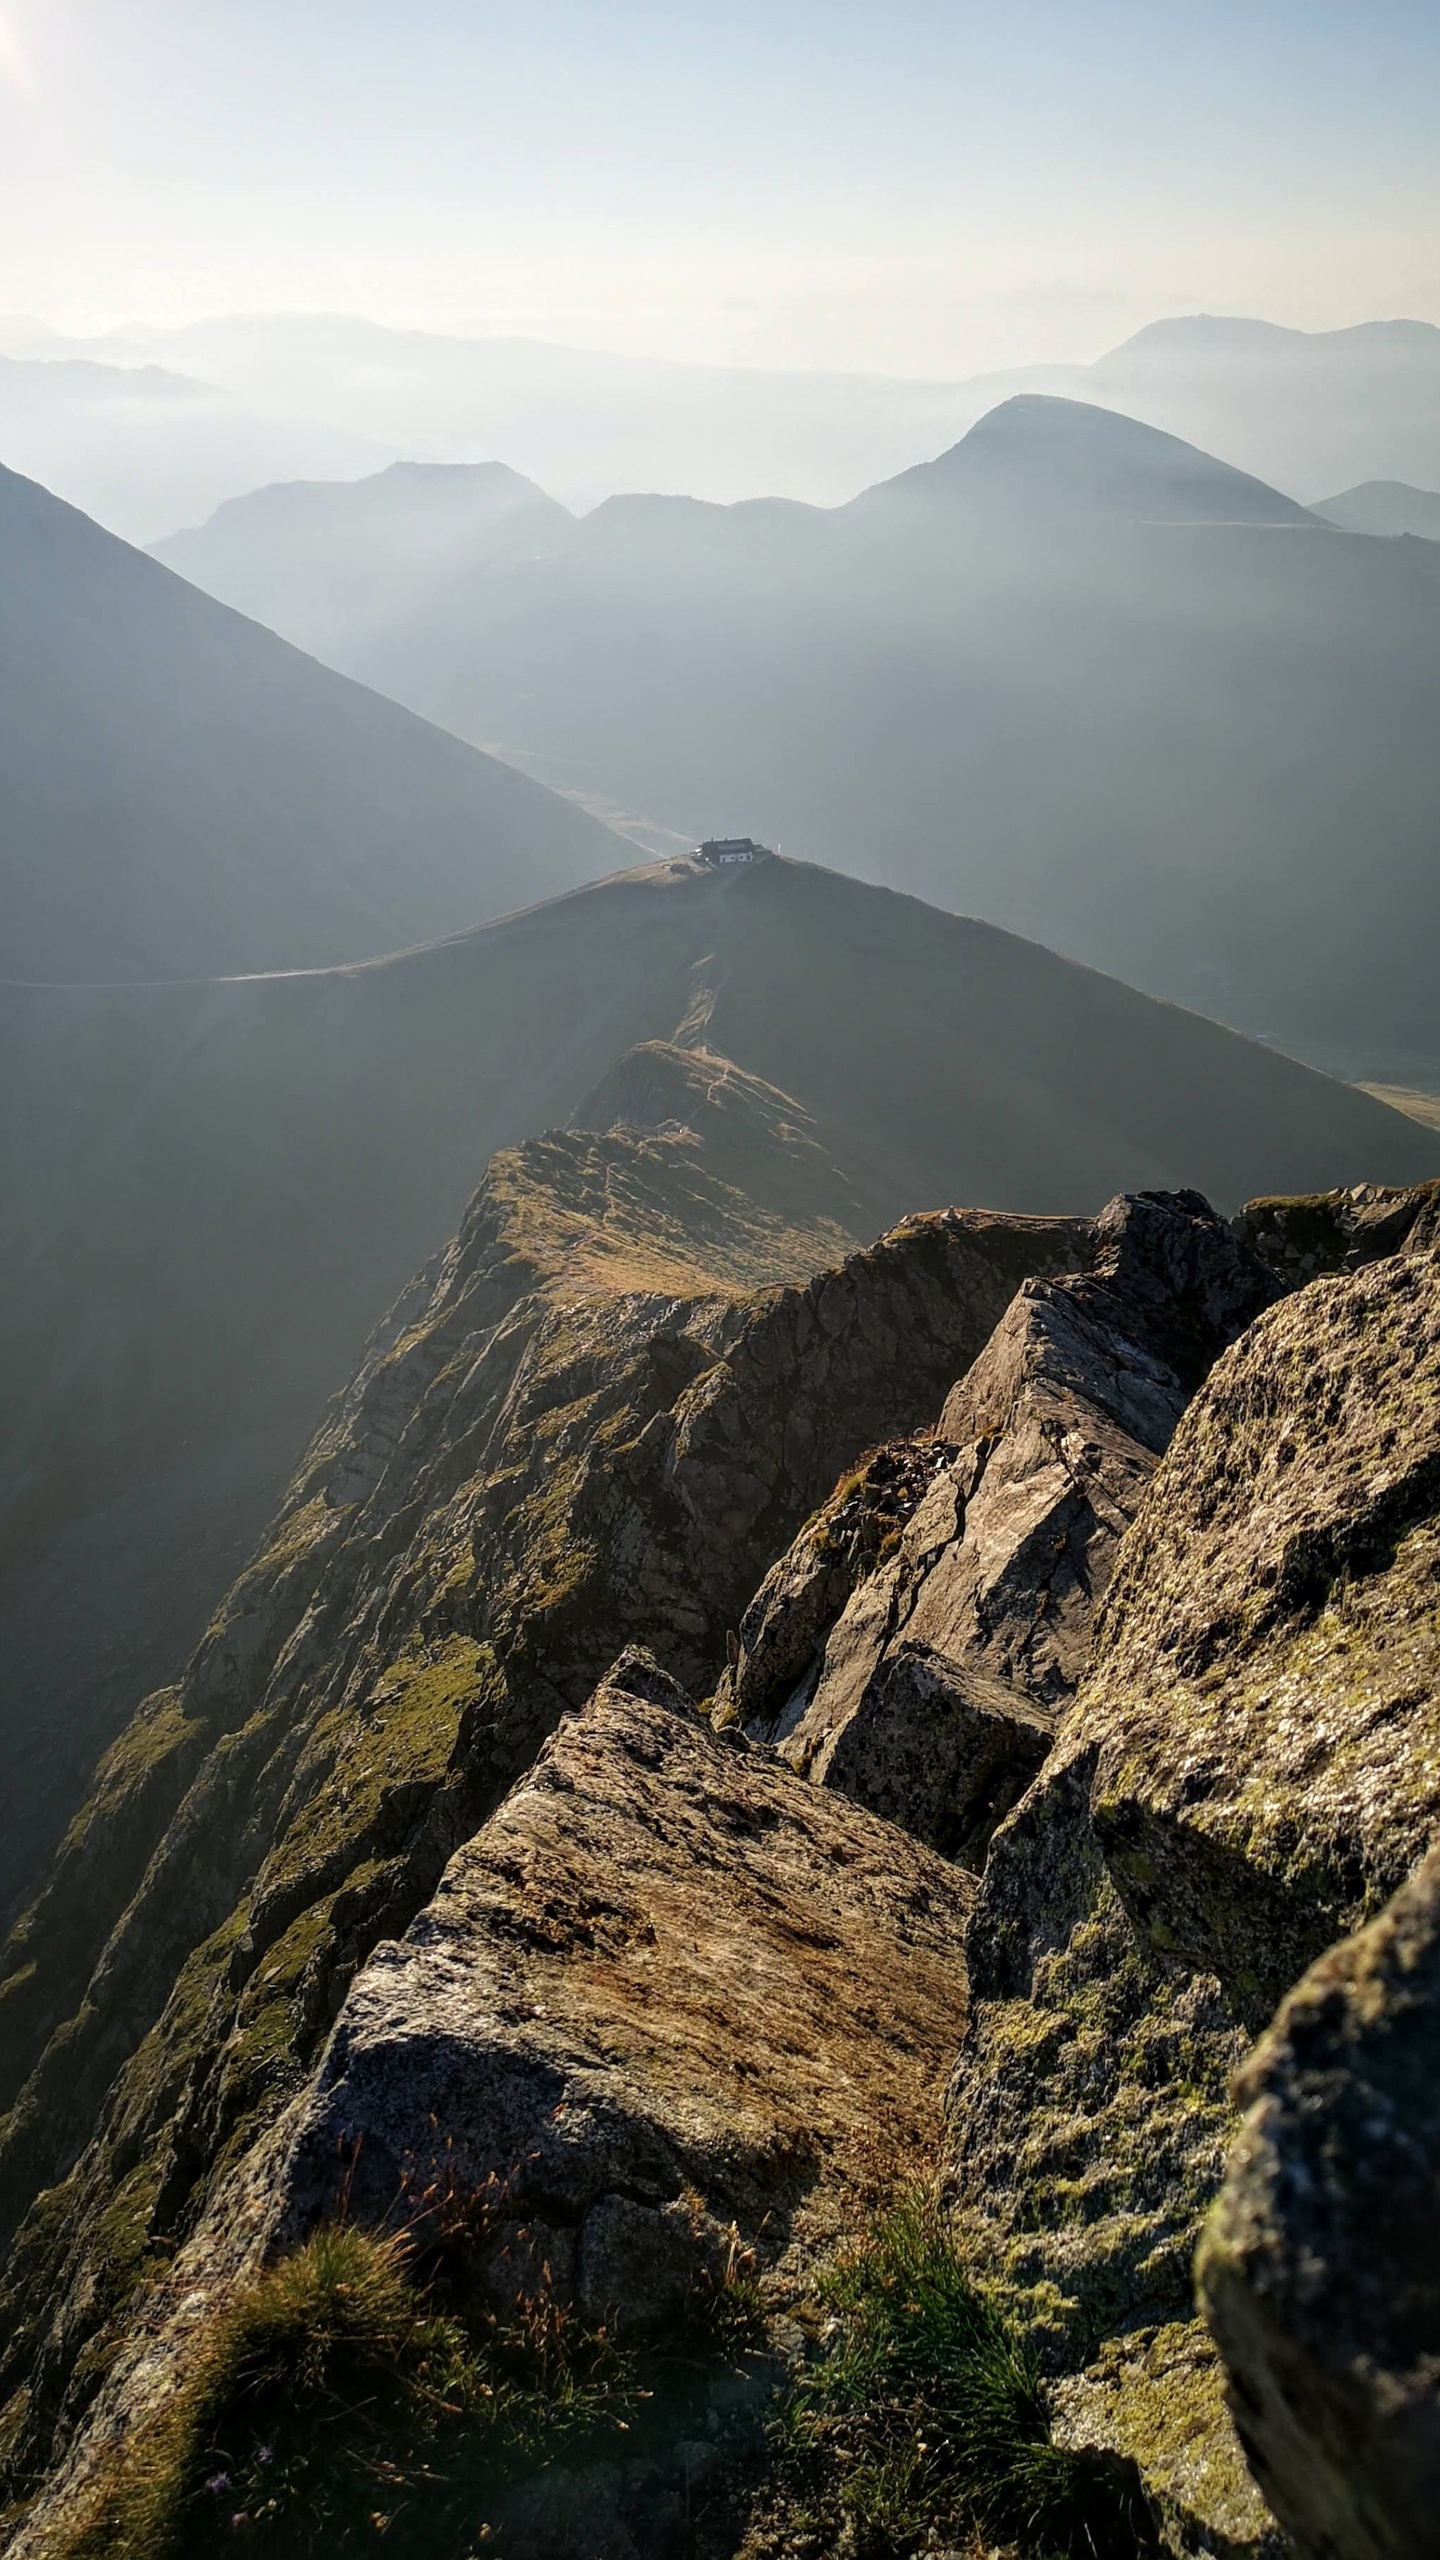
x=1300, y=409
x=1385, y=507
x=325, y=563
x=215, y=1190
x=272, y=396
x=141, y=445
x=582, y=422
x=442, y=1953
x=1068, y=459
x=182, y=795
x=1308, y=409
x=1070, y=676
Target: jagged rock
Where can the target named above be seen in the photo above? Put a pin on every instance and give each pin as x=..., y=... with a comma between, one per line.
x=1317, y=1235
x=1250, y=1768
x=936, y=1746
x=669, y=1998
x=933, y=1680
x=666, y=1988
x=1320, y=2270
x=571, y=1434
x=783, y=1631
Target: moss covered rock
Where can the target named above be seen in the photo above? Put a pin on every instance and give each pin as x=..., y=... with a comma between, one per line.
x=1320, y=2269
x=1252, y=1766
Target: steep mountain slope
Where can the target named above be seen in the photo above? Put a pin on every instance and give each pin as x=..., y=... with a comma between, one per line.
x=1385, y=507
x=1249, y=1759
x=215, y=1190
x=181, y=794
x=584, y=1426
x=1095, y=687
x=664, y=2001
x=327, y=562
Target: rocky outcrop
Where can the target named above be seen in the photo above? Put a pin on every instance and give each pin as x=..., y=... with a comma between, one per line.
x=1249, y=1770
x=1320, y=2270
x=595, y=1421
x=666, y=1989
x=916, y=1644
x=386, y=1894
x=1315, y=1235
x=670, y=2005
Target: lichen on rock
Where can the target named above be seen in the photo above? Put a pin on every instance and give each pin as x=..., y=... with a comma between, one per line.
x=1320, y=2267
x=1252, y=1765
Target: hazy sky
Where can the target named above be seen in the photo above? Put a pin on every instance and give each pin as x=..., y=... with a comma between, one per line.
x=912, y=187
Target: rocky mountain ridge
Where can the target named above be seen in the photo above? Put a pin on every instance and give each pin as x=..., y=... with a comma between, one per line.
x=525, y=1475
x=587, y=1427
x=217, y=1189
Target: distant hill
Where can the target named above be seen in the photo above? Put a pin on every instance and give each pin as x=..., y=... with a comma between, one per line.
x=182, y=795
x=1068, y=458
x=214, y=1190
x=1308, y=409
x=1384, y=507
x=265, y=397
x=1071, y=676
x=325, y=563
x=1300, y=409
x=142, y=447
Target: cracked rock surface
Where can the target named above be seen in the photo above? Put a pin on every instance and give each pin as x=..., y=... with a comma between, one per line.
x=664, y=1969
x=916, y=1644
x=1250, y=1768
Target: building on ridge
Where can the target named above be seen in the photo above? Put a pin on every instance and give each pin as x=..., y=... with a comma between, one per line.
x=718, y=851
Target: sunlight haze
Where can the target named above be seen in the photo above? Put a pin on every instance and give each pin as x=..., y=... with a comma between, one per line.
x=914, y=189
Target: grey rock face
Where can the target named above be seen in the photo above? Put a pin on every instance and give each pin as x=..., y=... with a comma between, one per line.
x=934, y=1679
x=667, y=1989
x=1248, y=1771
x=668, y=2000
x=937, y=1747
x=1330, y=1231
x=1320, y=2269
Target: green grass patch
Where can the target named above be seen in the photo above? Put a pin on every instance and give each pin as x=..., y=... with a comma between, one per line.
x=925, y=2410
x=338, y=2397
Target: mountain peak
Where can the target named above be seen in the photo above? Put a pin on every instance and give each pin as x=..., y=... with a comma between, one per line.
x=1048, y=456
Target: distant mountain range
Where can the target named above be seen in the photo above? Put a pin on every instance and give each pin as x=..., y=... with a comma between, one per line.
x=1303, y=410
x=1073, y=675
x=214, y=1190
x=1306, y=409
x=142, y=447
x=1385, y=507
x=184, y=795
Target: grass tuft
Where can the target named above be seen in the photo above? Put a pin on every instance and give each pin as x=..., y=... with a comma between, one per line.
x=329, y=2402
x=927, y=2410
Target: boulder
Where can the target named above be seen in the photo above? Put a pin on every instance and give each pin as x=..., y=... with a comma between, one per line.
x=1320, y=2268
x=669, y=2005
x=1319, y=1233
x=667, y=1993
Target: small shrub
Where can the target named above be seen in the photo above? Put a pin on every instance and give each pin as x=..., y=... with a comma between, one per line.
x=927, y=2409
